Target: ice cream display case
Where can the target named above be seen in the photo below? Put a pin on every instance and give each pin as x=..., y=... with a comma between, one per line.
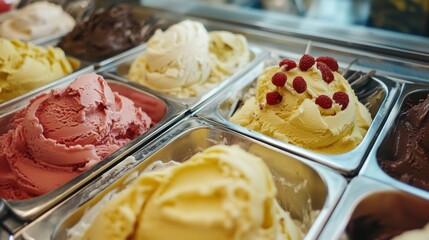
x=321, y=111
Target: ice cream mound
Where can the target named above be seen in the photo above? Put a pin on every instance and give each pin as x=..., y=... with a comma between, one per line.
x=64, y=132
x=409, y=155
x=186, y=60
x=108, y=32
x=37, y=20
x=308, y=104
x=220, y=193
x=24, y=67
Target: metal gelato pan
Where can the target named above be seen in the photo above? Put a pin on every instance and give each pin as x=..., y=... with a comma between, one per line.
x=161, y=110
x=304, y=187
x=382, y=150
x=376, y=92
x=369, y=208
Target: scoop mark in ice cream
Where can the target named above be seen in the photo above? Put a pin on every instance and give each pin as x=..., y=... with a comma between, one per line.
x=64, y=132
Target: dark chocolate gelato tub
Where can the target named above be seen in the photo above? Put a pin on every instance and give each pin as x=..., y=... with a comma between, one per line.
x=400, y=154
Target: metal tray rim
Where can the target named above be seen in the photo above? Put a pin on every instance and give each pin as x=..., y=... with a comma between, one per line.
x=371, y=168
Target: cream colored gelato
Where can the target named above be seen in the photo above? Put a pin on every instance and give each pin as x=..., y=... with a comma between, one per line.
x=24, y=67
x=37, y=20
x=228, y=52
x=417, y=234
x=220, y=193
x=298, y=120
x=186, y=61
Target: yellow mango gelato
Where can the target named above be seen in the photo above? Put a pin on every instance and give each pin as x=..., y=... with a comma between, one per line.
x=186, y=61
x=24, y=67
x=221, y=193
x=298, y=118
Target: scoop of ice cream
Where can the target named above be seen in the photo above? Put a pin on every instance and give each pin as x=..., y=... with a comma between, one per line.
x=37, y=20
x=24, y=67
x=298, y=117
x=63, y=132
x=174, y=59
x=228, y=52
x=186, y=61
x=107, y=32
x=220, y=193
x=417, y=234
x=409, y=161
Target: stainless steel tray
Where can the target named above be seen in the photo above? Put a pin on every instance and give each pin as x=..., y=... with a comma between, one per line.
x=365, y=196
x=20, y=211
x=78, y=67
x=252, y=69
x=371, y=168
x=380, y=101
x=324, y=186
x=5, y=234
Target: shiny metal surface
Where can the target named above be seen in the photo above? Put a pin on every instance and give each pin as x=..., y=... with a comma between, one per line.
x=5, y=234
x=357, y=37
x=31, y=208
x=324, y=186
x=371, y=168
x=79, y=68
x=365, y=196
x=252, y=69
x=379, y=103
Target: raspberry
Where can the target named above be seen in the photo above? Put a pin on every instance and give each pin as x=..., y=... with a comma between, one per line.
x=279, y=79
x=330, y=62
x=5, y=6
x=327, y=74
x=306, y=62
x=299, y=84
x=287, y=64
x=341, y=98
x=324, y=101
x=273, y=98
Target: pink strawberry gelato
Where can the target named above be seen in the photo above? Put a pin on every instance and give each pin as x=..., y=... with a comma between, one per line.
x=64, y=132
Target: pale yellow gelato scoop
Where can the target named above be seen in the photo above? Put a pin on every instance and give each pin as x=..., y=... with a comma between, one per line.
x=298, y=120
x=24, y=67
x=221, y=193
x=186, y=61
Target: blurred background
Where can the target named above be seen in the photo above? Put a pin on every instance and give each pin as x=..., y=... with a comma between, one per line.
x=405, y=16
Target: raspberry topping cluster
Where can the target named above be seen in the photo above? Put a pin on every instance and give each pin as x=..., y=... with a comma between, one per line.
x=326, y=66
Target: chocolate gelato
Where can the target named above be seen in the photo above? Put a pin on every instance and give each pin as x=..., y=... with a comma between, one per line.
x=108, y=32
x=366, y=227
x=408, y=160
